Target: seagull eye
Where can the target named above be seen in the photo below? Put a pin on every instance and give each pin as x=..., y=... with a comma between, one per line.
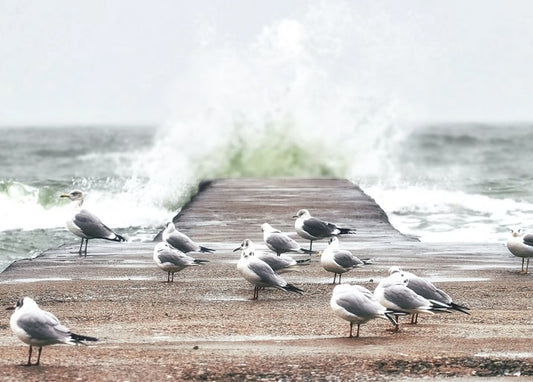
x=19, y=303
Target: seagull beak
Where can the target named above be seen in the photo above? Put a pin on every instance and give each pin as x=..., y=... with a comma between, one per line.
x=10, y=308
x=236, y=249
x=64, y=195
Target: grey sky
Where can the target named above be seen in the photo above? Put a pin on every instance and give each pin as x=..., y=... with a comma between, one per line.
x=83, y=62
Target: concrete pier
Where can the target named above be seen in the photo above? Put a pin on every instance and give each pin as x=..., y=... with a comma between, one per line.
x=205, y=327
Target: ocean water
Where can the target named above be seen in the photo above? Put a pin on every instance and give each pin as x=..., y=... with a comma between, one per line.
x=447, y=182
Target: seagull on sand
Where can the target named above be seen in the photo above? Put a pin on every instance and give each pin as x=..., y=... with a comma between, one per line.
x=84, y=224
x=260, y=274
x=338, y=261
x=172, y=260
x=279, y=242
x=37, y=327
x=181, y=241
x=392, y=292
x=279, y=264
x=357, y=305
x=427, y=290
x=520, y=244
x=311, y=228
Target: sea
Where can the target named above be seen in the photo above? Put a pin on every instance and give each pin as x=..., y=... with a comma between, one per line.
x=441, y=182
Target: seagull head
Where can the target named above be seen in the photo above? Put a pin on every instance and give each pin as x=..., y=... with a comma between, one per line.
x=23, y=302
x=517, y=232
x=75, y=196
x=246, y=244
x=394, y=269
x=303, y=213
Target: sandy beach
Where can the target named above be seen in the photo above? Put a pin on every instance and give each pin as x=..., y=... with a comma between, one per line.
x=205, y=326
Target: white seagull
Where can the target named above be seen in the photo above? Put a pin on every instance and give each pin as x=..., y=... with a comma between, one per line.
x=311, y=228
x=279, y=264
x=279, y=242
x=260, y=274
x=84, y=224
x=392, y=292
x=520, y=244
x=357, y=305
x=338, y=261
x=427, y=290
x=37, y=327
x=172, y=260
x=181, y=241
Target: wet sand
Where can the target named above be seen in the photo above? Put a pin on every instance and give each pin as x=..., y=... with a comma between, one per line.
x=205, y=326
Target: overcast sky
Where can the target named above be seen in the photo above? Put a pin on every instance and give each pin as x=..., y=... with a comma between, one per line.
x=120, y=62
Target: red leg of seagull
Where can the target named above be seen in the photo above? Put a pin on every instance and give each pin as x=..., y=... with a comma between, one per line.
x=351, y=328
x=29, y=357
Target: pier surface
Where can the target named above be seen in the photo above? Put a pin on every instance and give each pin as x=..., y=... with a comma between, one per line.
x=205, y=326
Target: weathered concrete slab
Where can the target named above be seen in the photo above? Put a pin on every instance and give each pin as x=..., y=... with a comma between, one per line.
x=204, y=326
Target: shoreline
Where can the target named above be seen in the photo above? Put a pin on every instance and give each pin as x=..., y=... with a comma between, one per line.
x=204, y=325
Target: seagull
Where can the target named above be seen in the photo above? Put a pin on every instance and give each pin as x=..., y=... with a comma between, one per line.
x=392, y=292
x=181, y=241
x=358, y=305
x=37, y=327
x=520, y=244
x=279, y=264
x=279, y=242
x=172, y=260
x=338, y=260
x=427, y=290
x=311, y=228
x=86, y=225
x=260, y=274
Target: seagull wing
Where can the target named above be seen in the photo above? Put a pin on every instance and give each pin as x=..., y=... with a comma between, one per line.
x=282, y=243
x=346, y=260
x=91, y=226
x=43, y=326
x=316, y=227
x=528, y=239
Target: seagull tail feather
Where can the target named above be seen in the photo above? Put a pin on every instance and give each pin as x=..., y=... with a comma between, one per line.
x=347, y=231
x=292, y=288
x=460, y=308
x=205, y=249
x=198, y=261
x=79, y=339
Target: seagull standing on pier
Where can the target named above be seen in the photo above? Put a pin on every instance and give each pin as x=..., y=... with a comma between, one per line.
x=84, y=224
x=338, y=261
x=260, y=274
x=37, y=327
x=311, y=228
x=279, y=242
x=279, y=264
x=357, y=305
x=172, y=260
x=520, y=244
x=181, y=241
x=426, y=289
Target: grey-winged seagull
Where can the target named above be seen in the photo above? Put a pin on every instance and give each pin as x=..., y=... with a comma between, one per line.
x=279, y=242
x=37, y=327
x=279, y=264
x=338, y=261
x=181, y=241
x=84, y=224
x=426, y=289
x=260, y=274
x=392, y=292
x=520, y=244
x=172, y=260
x=357, y=305
x=311, y=228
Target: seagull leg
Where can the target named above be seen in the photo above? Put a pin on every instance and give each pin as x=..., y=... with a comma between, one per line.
x=527, y=265
x=351, y=328
x=29, y=357
x=358, y=326
x=340, y=275
x=39, y=355
x=86, y=243
x=310, y=245
x=81, y=247
x=334, y=278
x=256, y=293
